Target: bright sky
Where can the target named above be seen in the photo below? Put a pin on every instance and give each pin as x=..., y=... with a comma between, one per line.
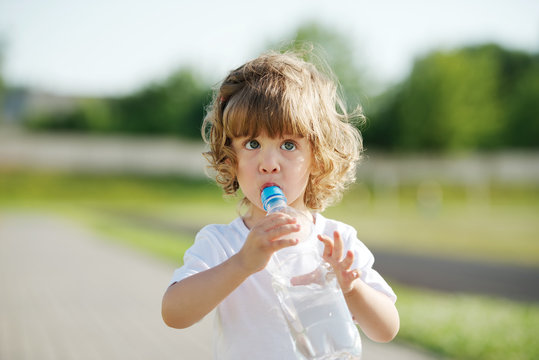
x=105, y=47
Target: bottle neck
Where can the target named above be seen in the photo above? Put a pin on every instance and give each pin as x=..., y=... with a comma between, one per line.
x=275, y=203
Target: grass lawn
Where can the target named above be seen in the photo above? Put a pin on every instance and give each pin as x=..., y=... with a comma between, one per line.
x=459, y=326
x=501, y=227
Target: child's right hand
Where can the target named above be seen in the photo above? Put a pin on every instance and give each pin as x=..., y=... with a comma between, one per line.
x=265, y=238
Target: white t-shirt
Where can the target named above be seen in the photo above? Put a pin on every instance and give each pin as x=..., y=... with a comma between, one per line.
x=249, y=323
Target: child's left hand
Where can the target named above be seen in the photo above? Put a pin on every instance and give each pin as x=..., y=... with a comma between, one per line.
x=333, y=254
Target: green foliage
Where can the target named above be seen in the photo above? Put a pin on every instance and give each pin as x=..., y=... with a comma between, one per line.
x=174, y=107
x=474, y=98
x=2, y=85
x=523, y=108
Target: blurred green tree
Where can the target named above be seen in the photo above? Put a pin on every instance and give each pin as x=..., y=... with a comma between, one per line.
x=2, y=86
x=520, y=98
x=475, y=98
x=174, y=107
x=87, y=115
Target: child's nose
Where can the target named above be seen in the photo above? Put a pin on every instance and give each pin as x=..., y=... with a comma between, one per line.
x=269, y=164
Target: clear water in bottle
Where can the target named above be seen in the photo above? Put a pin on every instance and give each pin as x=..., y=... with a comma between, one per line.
x=308, y=292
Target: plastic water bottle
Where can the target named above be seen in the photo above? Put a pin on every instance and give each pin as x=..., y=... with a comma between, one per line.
x=308, y=292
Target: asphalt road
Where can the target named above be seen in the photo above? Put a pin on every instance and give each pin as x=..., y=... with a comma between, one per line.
x=459, y=275
x=68, y=294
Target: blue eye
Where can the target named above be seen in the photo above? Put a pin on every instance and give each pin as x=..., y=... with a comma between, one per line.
x=288, y=146
x=252, y=144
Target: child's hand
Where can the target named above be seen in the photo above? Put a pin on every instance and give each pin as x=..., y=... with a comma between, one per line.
x=272, y=233
x=333, y=254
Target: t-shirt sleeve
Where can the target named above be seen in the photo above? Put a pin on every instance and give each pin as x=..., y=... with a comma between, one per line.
x=202, y=255
x=363, y=261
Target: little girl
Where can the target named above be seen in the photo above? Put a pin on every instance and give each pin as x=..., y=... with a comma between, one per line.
x=276, y=120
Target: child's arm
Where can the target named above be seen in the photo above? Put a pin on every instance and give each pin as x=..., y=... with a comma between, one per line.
x=189, y=300
x=375, y=313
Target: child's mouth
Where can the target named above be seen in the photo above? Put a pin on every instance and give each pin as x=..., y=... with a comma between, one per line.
x=267, y=185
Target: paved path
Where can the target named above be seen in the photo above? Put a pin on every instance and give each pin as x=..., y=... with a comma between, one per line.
x=68, y=294
x=459, y=275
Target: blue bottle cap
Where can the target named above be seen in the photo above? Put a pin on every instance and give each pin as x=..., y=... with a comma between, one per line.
x=269, y=193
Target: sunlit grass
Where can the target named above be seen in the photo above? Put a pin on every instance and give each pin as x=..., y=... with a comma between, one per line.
x=501, y=227
x=164, y=245
x=469, y=327
x=497, y=224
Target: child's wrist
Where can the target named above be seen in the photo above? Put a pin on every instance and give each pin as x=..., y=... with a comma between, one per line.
x=241, y=267
x=354, y=289
x=350, y=286
x=348, y=292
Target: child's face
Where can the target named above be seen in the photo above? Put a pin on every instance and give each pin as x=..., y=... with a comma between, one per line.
x=282, y=161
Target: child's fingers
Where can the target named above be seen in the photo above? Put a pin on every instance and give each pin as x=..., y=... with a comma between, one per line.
x=337, y=246
x=328, y=246
x=276, y=225
x=282, y=243
x=348, y=261
x=282, y=230
x=275, y=220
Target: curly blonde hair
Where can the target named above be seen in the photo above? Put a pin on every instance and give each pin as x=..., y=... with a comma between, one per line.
x=282, y=94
